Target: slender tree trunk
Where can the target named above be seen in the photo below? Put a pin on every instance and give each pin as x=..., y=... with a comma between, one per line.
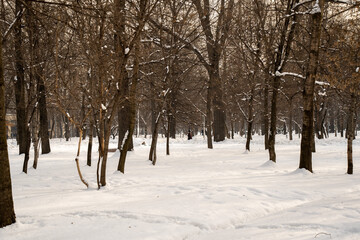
x=20, y=82
x=27, y=150
x=35, y=134
x=350, y=136
x=250, y=120
x=67, y=129
x=105, y=151
x=266, y=114
x=53, y=129
x=291, y=120
x=7, y=214
x=89, y=151
x=84, y=130
x=152, y=154
x=168, y=136
x=282, y=54
x=232, y=129
x=209, y=119
x=172, y=123
x=308, y=93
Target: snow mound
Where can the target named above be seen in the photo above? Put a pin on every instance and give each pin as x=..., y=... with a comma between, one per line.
x=268, y=164
x=301, y=172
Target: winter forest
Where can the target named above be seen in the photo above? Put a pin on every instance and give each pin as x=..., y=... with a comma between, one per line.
x=179, y=119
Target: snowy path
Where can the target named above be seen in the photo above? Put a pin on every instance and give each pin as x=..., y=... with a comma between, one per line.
x=194, y=193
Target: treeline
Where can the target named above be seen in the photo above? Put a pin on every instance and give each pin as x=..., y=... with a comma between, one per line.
x=91, y=68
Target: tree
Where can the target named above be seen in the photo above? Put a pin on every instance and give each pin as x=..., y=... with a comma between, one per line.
x=7, y=214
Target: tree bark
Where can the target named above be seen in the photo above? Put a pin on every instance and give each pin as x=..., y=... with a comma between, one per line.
x=266, y=114
x=350, y=135
x=209, y=119
x=7, y=214
x=44, y=132
x=308, y=92
x=128, y=145
x=291, y=120
x=250, y=120
x=152, y=154
x=89, y=151
x=20, y=82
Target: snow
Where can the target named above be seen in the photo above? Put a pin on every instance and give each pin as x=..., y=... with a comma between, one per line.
x=357, y=69
x=127, y=50
x=103, y=107
x=195, y=193
x=316, y=8
x=322, y=83
x=281, y=74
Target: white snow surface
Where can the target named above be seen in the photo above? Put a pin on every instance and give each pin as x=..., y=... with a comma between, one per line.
x=194, y=194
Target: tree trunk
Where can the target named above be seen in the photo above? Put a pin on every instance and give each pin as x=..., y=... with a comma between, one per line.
x=35, y=140
x=172, y=125
x=19, y=82
x=67, y=129
x=232, y=129
x=273, y=119
x=105, y=151
x=266, y=114
x=89, y=151
x=168, y=136
x=128, y=145
x=44, y=132
x=250, y=120
x=123, y=115
x=152, y=154
x=218, y=108
x=27, y=150
x=282, y=54
x=291, y=120
x=7, y=214
x=308, y=93
x=350, y=136
x=209, y=119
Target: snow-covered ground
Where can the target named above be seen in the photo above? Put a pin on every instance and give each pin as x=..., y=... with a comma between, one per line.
x=195, y=193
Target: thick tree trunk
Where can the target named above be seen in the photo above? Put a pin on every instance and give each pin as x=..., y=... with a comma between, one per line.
x=273, y=119
x=308, y=93
x=19, y=82
x=44, y=132
x=218, y=107
x=7, y=214
x=128, y=145
x=123, y=115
